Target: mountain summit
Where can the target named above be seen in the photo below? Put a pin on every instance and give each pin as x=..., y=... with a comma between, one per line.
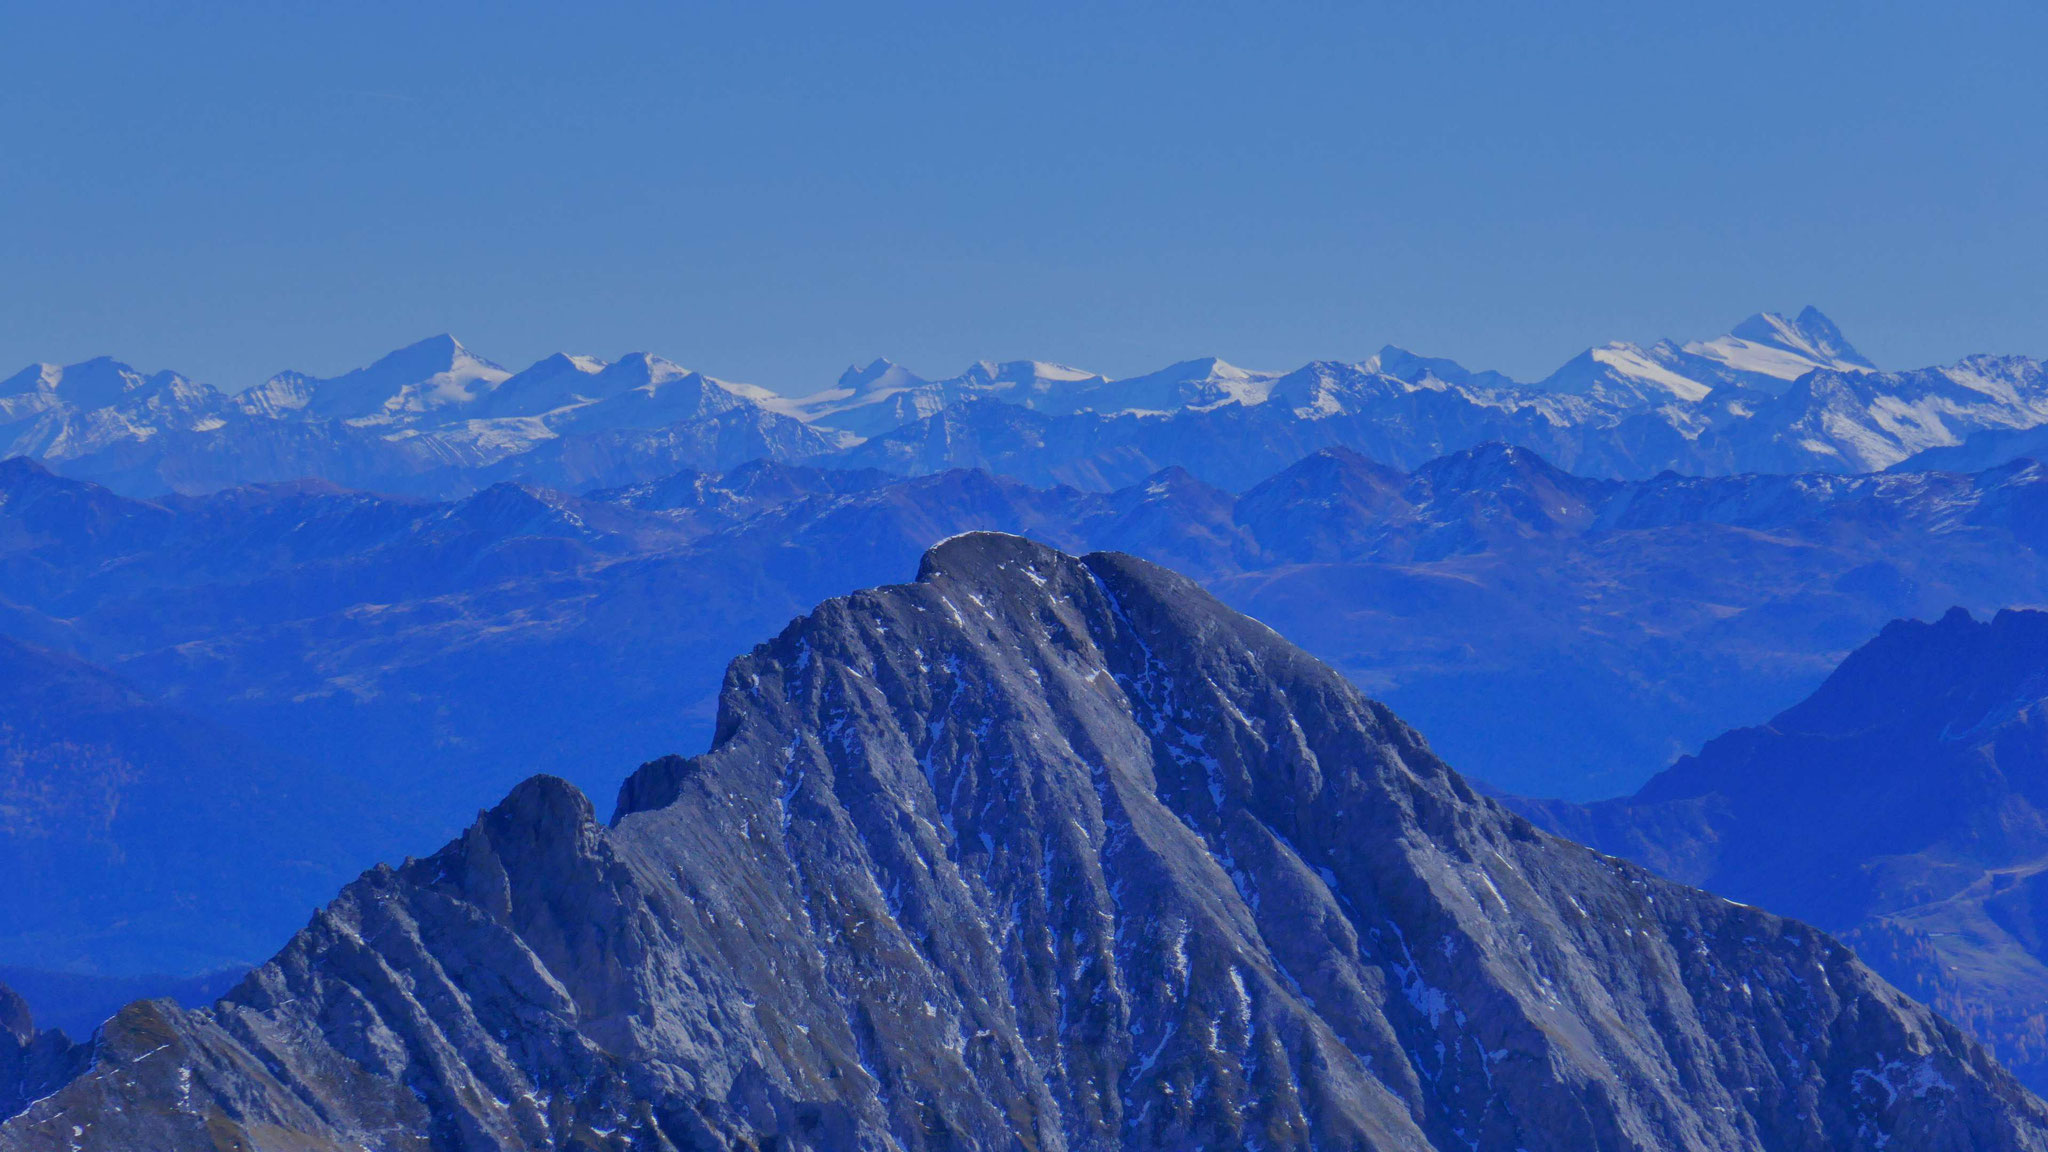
x=1038, y=852
x=1768, y=344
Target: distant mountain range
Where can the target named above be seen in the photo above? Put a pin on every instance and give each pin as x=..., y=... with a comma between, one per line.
x=1036, y=852
x=1904, y=804
x=1773, y=395
x=1559, y=634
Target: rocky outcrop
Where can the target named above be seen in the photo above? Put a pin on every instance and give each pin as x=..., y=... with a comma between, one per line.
x=1045, y=853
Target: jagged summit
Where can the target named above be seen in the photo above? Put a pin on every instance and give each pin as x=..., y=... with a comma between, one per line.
x=879, y=375
x=1768, y=344
x=434, y=373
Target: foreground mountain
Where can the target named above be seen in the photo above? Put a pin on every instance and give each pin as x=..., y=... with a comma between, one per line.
x=1048, y=853
x=1905, y=803
x=1775, y=394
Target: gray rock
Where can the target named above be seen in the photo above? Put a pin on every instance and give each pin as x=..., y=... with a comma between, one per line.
x=1038, y=853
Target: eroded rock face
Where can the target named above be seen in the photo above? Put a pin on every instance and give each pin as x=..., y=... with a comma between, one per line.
x=1042, y=853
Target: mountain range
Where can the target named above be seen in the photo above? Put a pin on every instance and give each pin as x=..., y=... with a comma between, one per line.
x=1904, y=804
x=434, y=419
x=1037, y=852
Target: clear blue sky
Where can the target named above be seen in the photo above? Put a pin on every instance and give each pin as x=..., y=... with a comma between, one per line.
x=771, y=191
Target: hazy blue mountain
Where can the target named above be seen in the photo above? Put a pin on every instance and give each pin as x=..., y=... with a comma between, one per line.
x=1904, y=803
x=1037, y=852
x=77, y=1003
x=137, y=838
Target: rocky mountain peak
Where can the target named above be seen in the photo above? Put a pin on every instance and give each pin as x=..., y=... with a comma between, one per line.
x=1039, y=851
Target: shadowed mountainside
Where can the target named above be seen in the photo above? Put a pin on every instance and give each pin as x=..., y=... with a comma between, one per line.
x=1904, y=804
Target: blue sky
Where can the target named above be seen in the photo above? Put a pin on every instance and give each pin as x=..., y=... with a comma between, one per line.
x=771, y=191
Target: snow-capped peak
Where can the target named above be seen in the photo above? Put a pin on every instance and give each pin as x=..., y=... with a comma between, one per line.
x=1768, y=344
x=880, y=376
x=1206, y=382
x=1620, y=370
x=38, y=377
x=433, y=374
x=1411, y=368
x=1031, y=375
x=97, y=383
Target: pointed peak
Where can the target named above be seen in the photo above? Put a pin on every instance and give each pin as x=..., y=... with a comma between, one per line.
x=441, y=349
x=434, y=356
x=1768, y=344
x=37, y=377
x=877, y=375
x=1172, y=477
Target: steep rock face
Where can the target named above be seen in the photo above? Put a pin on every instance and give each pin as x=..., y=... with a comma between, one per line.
x=1038, y=853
